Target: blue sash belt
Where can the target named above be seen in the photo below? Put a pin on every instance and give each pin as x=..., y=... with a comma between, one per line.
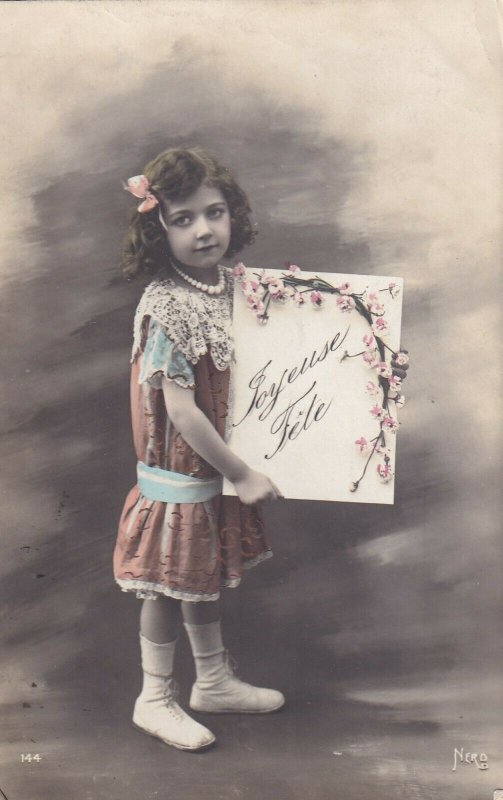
x=173, y=487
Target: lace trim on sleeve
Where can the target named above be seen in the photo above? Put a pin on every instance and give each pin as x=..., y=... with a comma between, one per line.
x=195, y=322
x=160, y=357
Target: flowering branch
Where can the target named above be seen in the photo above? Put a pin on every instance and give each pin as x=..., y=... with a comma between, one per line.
x=263, y=291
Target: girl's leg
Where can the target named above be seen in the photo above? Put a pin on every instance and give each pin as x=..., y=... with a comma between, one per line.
x=201, y=613
x=217, y=690
x=156, y=710
x=159, y=619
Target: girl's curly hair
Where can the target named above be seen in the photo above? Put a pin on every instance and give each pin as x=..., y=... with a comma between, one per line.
x=174, y=175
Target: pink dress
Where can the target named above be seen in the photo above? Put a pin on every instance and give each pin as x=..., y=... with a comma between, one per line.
x=183, y=550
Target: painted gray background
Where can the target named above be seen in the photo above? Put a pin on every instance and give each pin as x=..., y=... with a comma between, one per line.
x=367, y=135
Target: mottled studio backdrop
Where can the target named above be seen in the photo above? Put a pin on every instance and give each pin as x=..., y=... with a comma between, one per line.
x=368, y=136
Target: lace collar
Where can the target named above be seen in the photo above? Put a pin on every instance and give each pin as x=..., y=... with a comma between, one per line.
x=195, y=321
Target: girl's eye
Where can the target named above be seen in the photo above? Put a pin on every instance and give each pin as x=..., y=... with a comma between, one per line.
x=182, y=221
x=216, y=213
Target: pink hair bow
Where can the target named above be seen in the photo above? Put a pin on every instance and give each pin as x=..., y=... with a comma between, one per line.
x=140, y=187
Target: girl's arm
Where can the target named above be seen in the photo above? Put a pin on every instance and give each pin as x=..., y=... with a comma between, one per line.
x=251, y=486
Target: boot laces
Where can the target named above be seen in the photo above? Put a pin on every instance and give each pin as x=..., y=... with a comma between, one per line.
x=170, y=696
x=230, y=663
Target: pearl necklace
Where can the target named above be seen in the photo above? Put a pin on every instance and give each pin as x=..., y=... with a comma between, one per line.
x=203, y=287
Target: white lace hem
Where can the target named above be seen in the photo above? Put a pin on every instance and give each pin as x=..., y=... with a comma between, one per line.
x=156, y=381
x=146, y=590
x=258, y=559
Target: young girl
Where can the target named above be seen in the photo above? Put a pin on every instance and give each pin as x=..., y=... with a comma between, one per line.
x=179, y=539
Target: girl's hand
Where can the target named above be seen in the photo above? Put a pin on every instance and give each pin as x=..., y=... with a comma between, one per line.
x=399, y=369
x=255, y=486
x=199, y=433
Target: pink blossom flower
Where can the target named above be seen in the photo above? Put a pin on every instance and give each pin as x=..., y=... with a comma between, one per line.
x=362, y=444
x=372, y=388
x=393, y=289
x=395, y=383
x=377, y=411
x=383, y=369
x=385, y=472
x=373, y=304
x=249, y=287
x=401, y=358
x=345, y=302
x=383, y=451
x=369, y=340
x=389, y=424
x=280, y=296
x=344, y=288
x=370, y=358
x=239, y=270
x=299, y=299
x=277, y=289
x=316, y=299
x=293, y=268
x=380, y=326
x=252, y=288
x=255, y=304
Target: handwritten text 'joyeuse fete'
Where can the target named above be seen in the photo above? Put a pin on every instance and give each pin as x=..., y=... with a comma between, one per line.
x=301, y=413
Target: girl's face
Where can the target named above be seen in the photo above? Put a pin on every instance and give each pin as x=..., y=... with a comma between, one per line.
x=199, y=228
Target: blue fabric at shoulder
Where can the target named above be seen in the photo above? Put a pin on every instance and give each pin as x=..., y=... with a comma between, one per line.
x=160, y=357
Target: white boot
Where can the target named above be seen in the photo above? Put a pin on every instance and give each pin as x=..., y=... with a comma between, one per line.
x=217, y=690
x=156, y=710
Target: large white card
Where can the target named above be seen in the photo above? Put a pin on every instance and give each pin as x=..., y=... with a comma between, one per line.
x=304, y=393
